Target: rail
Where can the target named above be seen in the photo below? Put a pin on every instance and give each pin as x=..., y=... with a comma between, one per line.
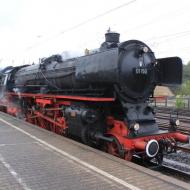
x=183, y=148
x=163, y=122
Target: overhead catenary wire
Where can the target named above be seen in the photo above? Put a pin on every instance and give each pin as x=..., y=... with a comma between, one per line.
x=173, y=35
x=82, y=23
x=182, y=49
x=156, y=19
x=163, y=38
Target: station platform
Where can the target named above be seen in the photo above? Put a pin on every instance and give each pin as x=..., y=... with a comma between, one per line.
x=32, y=158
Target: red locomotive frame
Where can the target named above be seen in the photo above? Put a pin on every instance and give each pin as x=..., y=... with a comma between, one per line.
x=49, y=116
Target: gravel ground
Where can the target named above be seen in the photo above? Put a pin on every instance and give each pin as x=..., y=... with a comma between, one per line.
x=179, y=160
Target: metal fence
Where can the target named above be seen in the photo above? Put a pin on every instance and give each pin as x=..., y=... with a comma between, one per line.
x=171, y=102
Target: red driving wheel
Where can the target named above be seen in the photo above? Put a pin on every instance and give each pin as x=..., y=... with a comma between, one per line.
x=115, y=148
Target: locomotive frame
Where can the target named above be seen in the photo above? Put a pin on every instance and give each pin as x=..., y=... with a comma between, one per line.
x=115, y=141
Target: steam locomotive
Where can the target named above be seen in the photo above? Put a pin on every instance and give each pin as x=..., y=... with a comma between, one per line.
x=101, y=98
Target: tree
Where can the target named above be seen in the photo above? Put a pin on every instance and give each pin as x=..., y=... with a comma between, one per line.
x=186, y=72
x=184, y=89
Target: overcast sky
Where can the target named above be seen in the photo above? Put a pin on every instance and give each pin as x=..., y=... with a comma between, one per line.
x=30, y=29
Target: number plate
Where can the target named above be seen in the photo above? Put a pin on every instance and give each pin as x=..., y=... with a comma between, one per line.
x=141, y=71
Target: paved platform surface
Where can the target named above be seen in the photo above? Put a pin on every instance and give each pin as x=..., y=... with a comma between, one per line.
x=33, y=158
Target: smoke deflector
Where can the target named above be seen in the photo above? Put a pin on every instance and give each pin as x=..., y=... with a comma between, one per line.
x=169, y=71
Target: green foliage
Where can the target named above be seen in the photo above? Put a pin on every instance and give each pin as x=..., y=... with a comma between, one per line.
x=186, y=72
x=179, y=102
x=184, y=90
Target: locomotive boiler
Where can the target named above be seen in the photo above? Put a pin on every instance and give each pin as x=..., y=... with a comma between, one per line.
x=100, y=98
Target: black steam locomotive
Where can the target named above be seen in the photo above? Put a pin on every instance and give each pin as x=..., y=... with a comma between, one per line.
x=101, y=97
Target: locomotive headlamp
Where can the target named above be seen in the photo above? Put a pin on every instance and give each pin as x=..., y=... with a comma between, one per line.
x=145, y=49
x=136, y=126
x=174, y=122
x=177, y=122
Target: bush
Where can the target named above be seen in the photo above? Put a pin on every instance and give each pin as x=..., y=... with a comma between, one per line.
x=180, y=103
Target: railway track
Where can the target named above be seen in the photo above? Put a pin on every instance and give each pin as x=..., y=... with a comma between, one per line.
x=178, y=169
x=163, y=115
x=183, y=148
x=165, y=125
x=171, y=171
x=165, y=168
x=183, y=114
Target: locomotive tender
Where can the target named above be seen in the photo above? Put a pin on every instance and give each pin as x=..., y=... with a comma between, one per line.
x=100, y=98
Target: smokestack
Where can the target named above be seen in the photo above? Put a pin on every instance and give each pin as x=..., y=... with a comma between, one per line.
x=111, y=40
x=112, y=37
